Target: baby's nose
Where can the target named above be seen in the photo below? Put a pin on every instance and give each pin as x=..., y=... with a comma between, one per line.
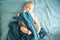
x=27, y=8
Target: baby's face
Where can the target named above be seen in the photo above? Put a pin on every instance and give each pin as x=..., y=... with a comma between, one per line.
x=28, y=7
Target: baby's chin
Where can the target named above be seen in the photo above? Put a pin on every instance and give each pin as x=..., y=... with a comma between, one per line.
x=27, y=11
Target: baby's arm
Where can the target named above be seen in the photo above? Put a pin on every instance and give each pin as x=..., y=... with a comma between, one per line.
x=24, y=29
x=38, y=28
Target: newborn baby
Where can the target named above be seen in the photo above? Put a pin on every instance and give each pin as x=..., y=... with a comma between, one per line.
x=29, y=8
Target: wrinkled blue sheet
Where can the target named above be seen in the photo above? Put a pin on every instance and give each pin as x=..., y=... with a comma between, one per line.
x=47, y=11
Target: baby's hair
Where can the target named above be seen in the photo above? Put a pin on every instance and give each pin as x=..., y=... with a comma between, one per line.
x=30, y=3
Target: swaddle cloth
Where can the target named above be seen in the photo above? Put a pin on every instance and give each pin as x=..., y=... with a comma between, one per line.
x=27, y=19
x=15, y=32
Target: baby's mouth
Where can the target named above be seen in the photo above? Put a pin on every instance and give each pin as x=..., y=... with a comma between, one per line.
x=26, y=9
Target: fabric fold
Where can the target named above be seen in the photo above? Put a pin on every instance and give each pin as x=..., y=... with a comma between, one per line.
x=15, y=32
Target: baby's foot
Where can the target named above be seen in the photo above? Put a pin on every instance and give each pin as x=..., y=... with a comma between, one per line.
x=29, y=32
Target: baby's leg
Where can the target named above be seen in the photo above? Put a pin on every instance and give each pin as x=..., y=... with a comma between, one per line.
x=25, y=30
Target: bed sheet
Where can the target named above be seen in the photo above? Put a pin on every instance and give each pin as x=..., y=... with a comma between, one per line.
x=47, y=12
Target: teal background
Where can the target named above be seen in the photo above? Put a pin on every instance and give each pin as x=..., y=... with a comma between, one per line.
x=47, y=12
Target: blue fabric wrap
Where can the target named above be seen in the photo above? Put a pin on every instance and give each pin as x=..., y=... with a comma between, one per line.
x=14, y=29
x=26, y=17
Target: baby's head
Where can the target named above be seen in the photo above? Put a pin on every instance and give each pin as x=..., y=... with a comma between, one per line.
x=29, y=7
